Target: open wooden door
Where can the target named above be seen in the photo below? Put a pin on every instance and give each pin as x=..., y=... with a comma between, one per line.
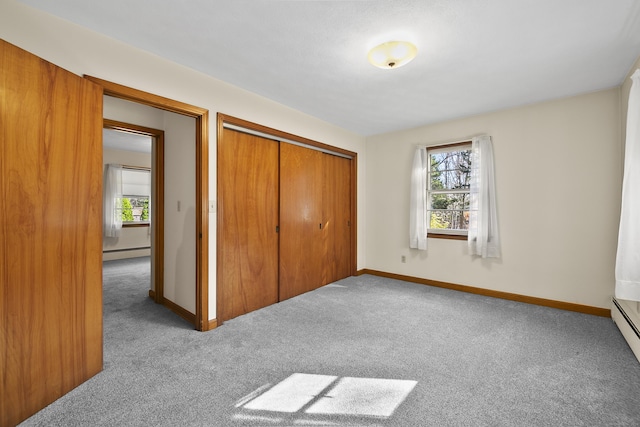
x=50, y=232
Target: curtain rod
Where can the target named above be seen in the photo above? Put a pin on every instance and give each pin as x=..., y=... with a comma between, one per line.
x=142, y=168
x=444, y=144
x=276, y=138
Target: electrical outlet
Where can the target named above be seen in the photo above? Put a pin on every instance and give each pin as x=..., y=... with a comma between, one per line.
x=403, y=258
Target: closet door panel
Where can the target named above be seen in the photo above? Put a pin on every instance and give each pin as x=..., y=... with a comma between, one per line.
x=337, y=216
x=248, y=192
x=301, y=242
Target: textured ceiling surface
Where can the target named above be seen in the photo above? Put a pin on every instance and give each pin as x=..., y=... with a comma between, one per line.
x=118, y=140
x=474, y=56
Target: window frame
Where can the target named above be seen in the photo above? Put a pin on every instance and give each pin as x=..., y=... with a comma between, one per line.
x=438, y=233
x=139, y=223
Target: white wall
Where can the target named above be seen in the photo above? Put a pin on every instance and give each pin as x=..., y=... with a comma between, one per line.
x=85, y=52
x=558, y=171
x=130, y=237
x=180, y=222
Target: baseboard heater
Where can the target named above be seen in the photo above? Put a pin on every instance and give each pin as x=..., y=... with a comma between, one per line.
x=125, y=249
x=630, y=329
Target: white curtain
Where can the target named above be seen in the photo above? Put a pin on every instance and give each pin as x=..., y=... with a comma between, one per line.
x=112, y=204
x=418, y=203
x=628, y=255
x=483, y=237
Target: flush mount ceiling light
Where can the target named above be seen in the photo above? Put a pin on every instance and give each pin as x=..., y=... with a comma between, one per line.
x=392, y=54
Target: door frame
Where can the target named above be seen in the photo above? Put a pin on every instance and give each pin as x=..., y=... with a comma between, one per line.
x=157, y=197
x=201, y=115
x=224, y=119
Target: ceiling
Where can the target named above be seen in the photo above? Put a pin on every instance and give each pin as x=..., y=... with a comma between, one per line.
x=126, y=141
x=474, y=56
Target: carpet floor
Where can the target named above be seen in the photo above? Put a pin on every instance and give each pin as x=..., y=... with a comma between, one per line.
x=364, y=351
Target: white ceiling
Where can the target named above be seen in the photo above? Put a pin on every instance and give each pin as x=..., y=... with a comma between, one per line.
x=474, y=56
x=126, y=141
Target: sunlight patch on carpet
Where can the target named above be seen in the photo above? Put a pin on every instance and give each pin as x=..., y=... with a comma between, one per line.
x=311, y=396
x=363, y=396
x=292, y=394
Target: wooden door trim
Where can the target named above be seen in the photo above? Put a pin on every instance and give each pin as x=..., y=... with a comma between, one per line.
x=224, y=118
x=354, y=214
x=219, y=224
x=201, y=116
x=279, y=135
x=157, y=223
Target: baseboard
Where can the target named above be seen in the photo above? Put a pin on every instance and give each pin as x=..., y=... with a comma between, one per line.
x=211, y=324
x=191, y=318
x=185, y=314
x=628, y=327
x=587, y=309
x=115, y=254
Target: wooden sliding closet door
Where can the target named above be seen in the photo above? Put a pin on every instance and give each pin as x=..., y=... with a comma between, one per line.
x=50, y=232
x=301, y=243
x=248, y=194
x=336, y=202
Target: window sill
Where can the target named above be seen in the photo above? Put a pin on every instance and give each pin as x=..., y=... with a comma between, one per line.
x=447, y=236
x=134, y=224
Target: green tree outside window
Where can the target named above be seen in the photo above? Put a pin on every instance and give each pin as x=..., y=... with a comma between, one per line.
x=127, y=210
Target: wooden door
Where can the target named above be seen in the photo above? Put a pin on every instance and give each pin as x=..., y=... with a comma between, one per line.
x=301, y=243
x=248, y=195
x=50, y=232
x=336, y=202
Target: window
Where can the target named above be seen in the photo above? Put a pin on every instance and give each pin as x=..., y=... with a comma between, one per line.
x=136, y=194
x=448, y=181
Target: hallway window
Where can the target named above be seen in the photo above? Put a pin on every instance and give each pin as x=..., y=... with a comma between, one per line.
x=136, y=196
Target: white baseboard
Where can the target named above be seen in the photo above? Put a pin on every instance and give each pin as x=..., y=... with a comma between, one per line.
x=123, y=254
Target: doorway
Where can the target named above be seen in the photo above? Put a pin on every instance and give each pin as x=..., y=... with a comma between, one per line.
x=200, y=318
x=140, y=152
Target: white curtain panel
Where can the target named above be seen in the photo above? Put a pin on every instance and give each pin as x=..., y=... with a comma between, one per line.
x=418, y=203
x=628, y=255
x=483, y=237
x=112, y=202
